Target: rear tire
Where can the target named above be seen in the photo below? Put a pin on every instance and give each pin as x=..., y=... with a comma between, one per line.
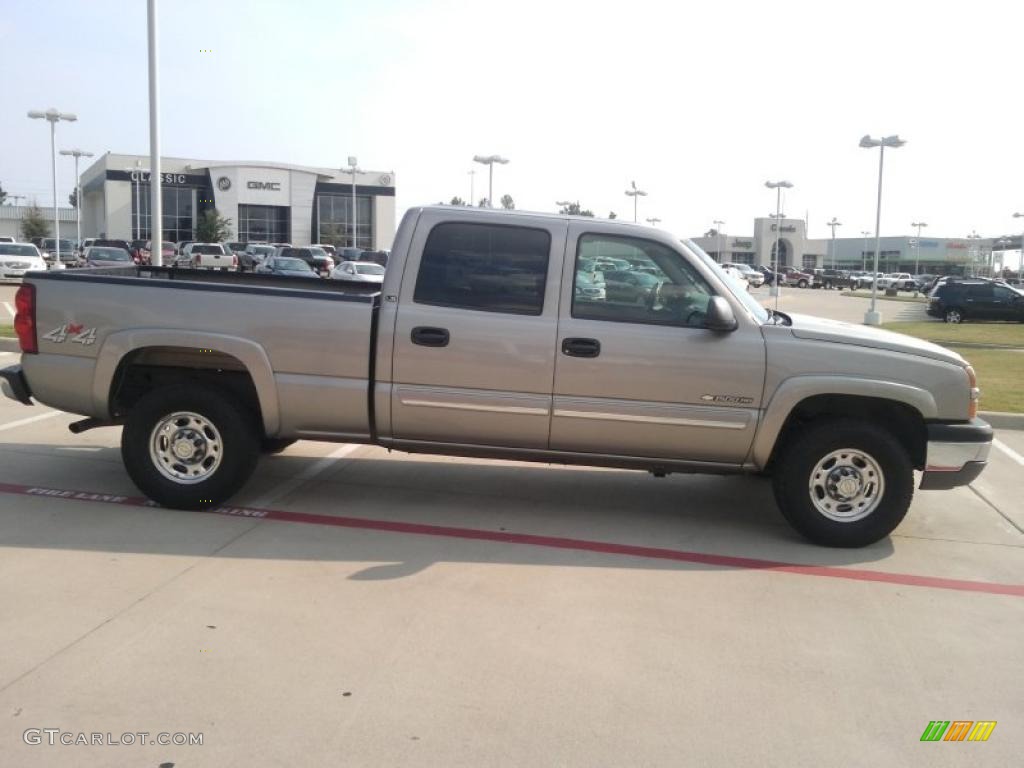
x=187, y=447
x=801, y=284
x=953, y=316
x=843, y=483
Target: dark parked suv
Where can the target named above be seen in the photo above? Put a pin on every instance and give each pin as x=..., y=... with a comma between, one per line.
x=956, y=301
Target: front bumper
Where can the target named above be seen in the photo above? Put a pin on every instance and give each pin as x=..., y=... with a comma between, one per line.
x=957, y=454
x=14, y=385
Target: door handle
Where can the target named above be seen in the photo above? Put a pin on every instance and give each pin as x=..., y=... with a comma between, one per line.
x=430, y=337
x=581, y=347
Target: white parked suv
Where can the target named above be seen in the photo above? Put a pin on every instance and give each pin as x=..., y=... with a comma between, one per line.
x=901, y=281
x=209, y=256
x=754, y=278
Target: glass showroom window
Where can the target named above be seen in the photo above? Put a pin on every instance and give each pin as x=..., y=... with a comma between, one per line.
x=179, y=213
x=263, y=224
x=335, y=220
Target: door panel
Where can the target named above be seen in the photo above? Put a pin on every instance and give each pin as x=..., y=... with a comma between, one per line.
x=470, y=374
x=657, y=390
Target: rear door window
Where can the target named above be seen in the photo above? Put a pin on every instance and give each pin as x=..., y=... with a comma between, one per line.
x=486, y=267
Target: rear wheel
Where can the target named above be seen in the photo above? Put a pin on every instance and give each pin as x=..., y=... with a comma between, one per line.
x=801, y=284
x=843, y=483
x=953, y=316
x=187, y=447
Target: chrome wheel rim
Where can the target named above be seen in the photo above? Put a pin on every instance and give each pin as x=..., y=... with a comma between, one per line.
x=953, y=317
x=846, y=485
x=186, y=447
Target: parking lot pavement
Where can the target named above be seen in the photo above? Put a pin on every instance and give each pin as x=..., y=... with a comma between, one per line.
x=410, y=632
x=833, y=305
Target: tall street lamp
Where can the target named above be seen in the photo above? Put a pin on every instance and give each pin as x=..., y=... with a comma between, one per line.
x=156, y=200
x=136, y=181
x=718, y=237
x=778, y=186
x=77, y=153
x=635, y=193
x=353, y=169
x=864, y=256
x=53, y=116
x=834, y=223
x=1020, y=265
x=873, y=316
x=472, y=186
x=975, y=251
x=489, y=161
x=917, y=258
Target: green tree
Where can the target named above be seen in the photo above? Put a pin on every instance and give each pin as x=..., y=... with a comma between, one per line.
x=507, y=202
x=73, y=198
x=483, y=203
x=575, y=209
x=332, y=234
x=611, y=215
x=212, y=227
x=34, y=224
x=457, y=201
x=3, y=195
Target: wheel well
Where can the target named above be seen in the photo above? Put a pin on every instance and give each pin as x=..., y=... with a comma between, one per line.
x=147, y=368
x=904, y=422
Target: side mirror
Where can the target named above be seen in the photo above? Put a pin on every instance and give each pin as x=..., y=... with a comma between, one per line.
x=720, y=316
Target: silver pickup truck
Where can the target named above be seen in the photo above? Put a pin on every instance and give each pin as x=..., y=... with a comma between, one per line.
x=484, y=342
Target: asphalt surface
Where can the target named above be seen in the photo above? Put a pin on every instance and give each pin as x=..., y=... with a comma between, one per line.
x=398, y=610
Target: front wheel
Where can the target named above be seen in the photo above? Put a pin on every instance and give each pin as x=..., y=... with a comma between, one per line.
x=953, y=316
x=189, y=447
x=801, y=284
x=843, y=483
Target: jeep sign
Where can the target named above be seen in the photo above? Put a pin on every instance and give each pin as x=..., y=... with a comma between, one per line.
x=272, y=185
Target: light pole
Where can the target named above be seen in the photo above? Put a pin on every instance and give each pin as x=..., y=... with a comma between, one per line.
x=1020, y=265
x=472, y=186
x=873, y=316
x=353, y=169
x=156, y=200
x=635, y=193
x=136, y=180
x=778, y=186
x=864, y=257
x=718, y=237
x=489, y=161
x=917, y=259
x=77, y=153
x=653, y=221
x=975, y=251
x=52, y=116
x=834, y=223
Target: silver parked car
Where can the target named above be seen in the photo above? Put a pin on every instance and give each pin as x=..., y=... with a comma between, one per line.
x=358, y=271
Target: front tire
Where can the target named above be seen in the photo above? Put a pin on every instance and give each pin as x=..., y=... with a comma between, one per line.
x=953, y=316
x=801, y=284
x=843, y=483
x=187, y=447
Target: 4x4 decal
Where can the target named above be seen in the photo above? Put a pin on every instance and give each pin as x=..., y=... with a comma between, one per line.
x=76, y=333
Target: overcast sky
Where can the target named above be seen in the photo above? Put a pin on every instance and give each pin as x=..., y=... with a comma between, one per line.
x=700, y=103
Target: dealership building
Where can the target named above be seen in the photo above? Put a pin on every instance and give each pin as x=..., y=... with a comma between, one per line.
x=265, y=201
x=896, y=254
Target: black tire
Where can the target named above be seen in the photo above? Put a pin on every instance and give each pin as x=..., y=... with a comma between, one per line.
x=239, y=441
x=800, y=456
x=801, y=284
x=276, y=444
x=953, y=315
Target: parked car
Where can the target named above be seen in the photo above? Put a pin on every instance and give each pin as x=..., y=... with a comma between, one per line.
x=377, y=257
x=349, y=254
x=961, y=300
x=830, y=278
x=473, y=345
x=209, y=256
x=753, y=277
x=330, y=250
x=320, y=263
x=180, y=247
x=631, y=286
x=136, y=248
x=921, y=282
x=769, y=276
x=8, y=239
x=590, y=286
x=901, y=281
x=358, y=271
x=867, y=279
x=107, y=256
x=167, y=253
x=793, y=276
x=254, y=253
x=18, y=258
x=50, y=246
x=324, y=261
x=736, y=275
x=236, y=247
x=285, y=266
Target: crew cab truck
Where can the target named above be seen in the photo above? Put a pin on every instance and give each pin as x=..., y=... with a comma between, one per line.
x=477, y=345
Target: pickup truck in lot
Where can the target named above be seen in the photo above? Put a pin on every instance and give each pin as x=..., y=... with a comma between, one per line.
x=479, y=344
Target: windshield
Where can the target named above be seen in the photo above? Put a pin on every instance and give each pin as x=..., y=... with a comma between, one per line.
x=109, y=254
x=287, y=264
x=748, y=301
x=369, y=269
x=11, y=249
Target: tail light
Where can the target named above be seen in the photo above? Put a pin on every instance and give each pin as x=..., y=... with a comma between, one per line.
x=234, y=260
x=975, y=393
x=25, y=318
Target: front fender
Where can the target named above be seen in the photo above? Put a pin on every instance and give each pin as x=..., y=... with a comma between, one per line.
x=797, y=389
x=249, y=353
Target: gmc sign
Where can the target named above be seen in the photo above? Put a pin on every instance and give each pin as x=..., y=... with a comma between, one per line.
x=272, y=185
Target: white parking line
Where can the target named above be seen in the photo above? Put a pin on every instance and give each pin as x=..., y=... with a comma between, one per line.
x=29, y=420
x=307, y=474
x=1008, y=451
x=9, y=308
